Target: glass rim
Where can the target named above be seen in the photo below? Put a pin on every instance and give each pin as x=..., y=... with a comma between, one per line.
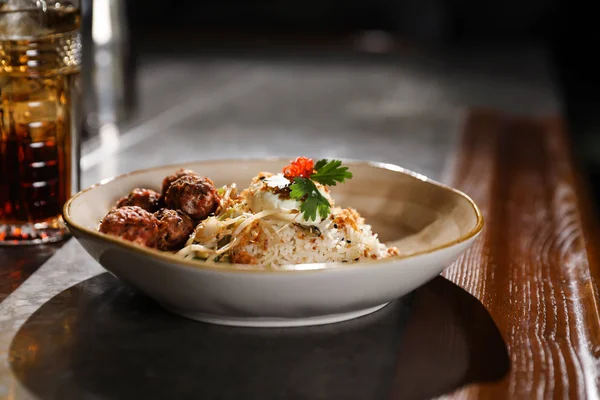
x=40, y=7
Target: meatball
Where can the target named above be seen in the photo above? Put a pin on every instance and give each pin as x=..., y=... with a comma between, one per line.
x=147, y=199
x=194, y=195
x=172, y=178
x=131, y=223
x=174, y=229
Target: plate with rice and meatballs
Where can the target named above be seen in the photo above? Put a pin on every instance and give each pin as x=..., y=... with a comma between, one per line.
x=274, y=242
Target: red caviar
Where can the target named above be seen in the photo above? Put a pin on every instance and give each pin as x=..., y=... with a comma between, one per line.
x=301, y=167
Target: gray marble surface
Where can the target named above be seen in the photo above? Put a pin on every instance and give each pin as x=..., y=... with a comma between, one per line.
x=393, y=109
x=407, y=111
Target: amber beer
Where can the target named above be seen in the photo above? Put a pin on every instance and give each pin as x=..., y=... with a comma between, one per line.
x=40, y=55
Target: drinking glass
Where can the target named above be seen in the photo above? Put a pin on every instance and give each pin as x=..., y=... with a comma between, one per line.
x=40, y=56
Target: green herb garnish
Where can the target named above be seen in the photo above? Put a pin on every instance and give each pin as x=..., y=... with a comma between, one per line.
x=327, y=173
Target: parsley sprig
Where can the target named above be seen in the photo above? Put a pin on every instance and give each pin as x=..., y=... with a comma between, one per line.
x=313, y=201
x=327, y=173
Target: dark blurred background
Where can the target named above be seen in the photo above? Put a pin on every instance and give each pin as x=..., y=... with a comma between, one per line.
x=442, y=20
x=569, y=32
x=378, y=28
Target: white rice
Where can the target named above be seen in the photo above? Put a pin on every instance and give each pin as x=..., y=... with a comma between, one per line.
x=339, y=238
x=271, y=238
x=335, y=244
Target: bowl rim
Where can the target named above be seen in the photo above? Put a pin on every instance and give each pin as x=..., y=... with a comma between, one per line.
x=242, y=268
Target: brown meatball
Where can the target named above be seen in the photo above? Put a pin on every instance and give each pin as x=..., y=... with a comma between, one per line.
x=147, y=199
x=172, y=178
x=131, y=223
x=174, y=229
x=194, y=195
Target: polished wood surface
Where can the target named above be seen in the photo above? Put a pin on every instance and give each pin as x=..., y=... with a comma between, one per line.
x=535, y=266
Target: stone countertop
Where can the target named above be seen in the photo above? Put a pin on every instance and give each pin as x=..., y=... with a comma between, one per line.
x=406, y=110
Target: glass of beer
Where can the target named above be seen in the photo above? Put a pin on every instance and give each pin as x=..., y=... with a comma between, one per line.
x=40, y=56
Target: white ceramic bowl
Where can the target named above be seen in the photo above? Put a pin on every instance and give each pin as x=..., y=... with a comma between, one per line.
x=430, y=223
